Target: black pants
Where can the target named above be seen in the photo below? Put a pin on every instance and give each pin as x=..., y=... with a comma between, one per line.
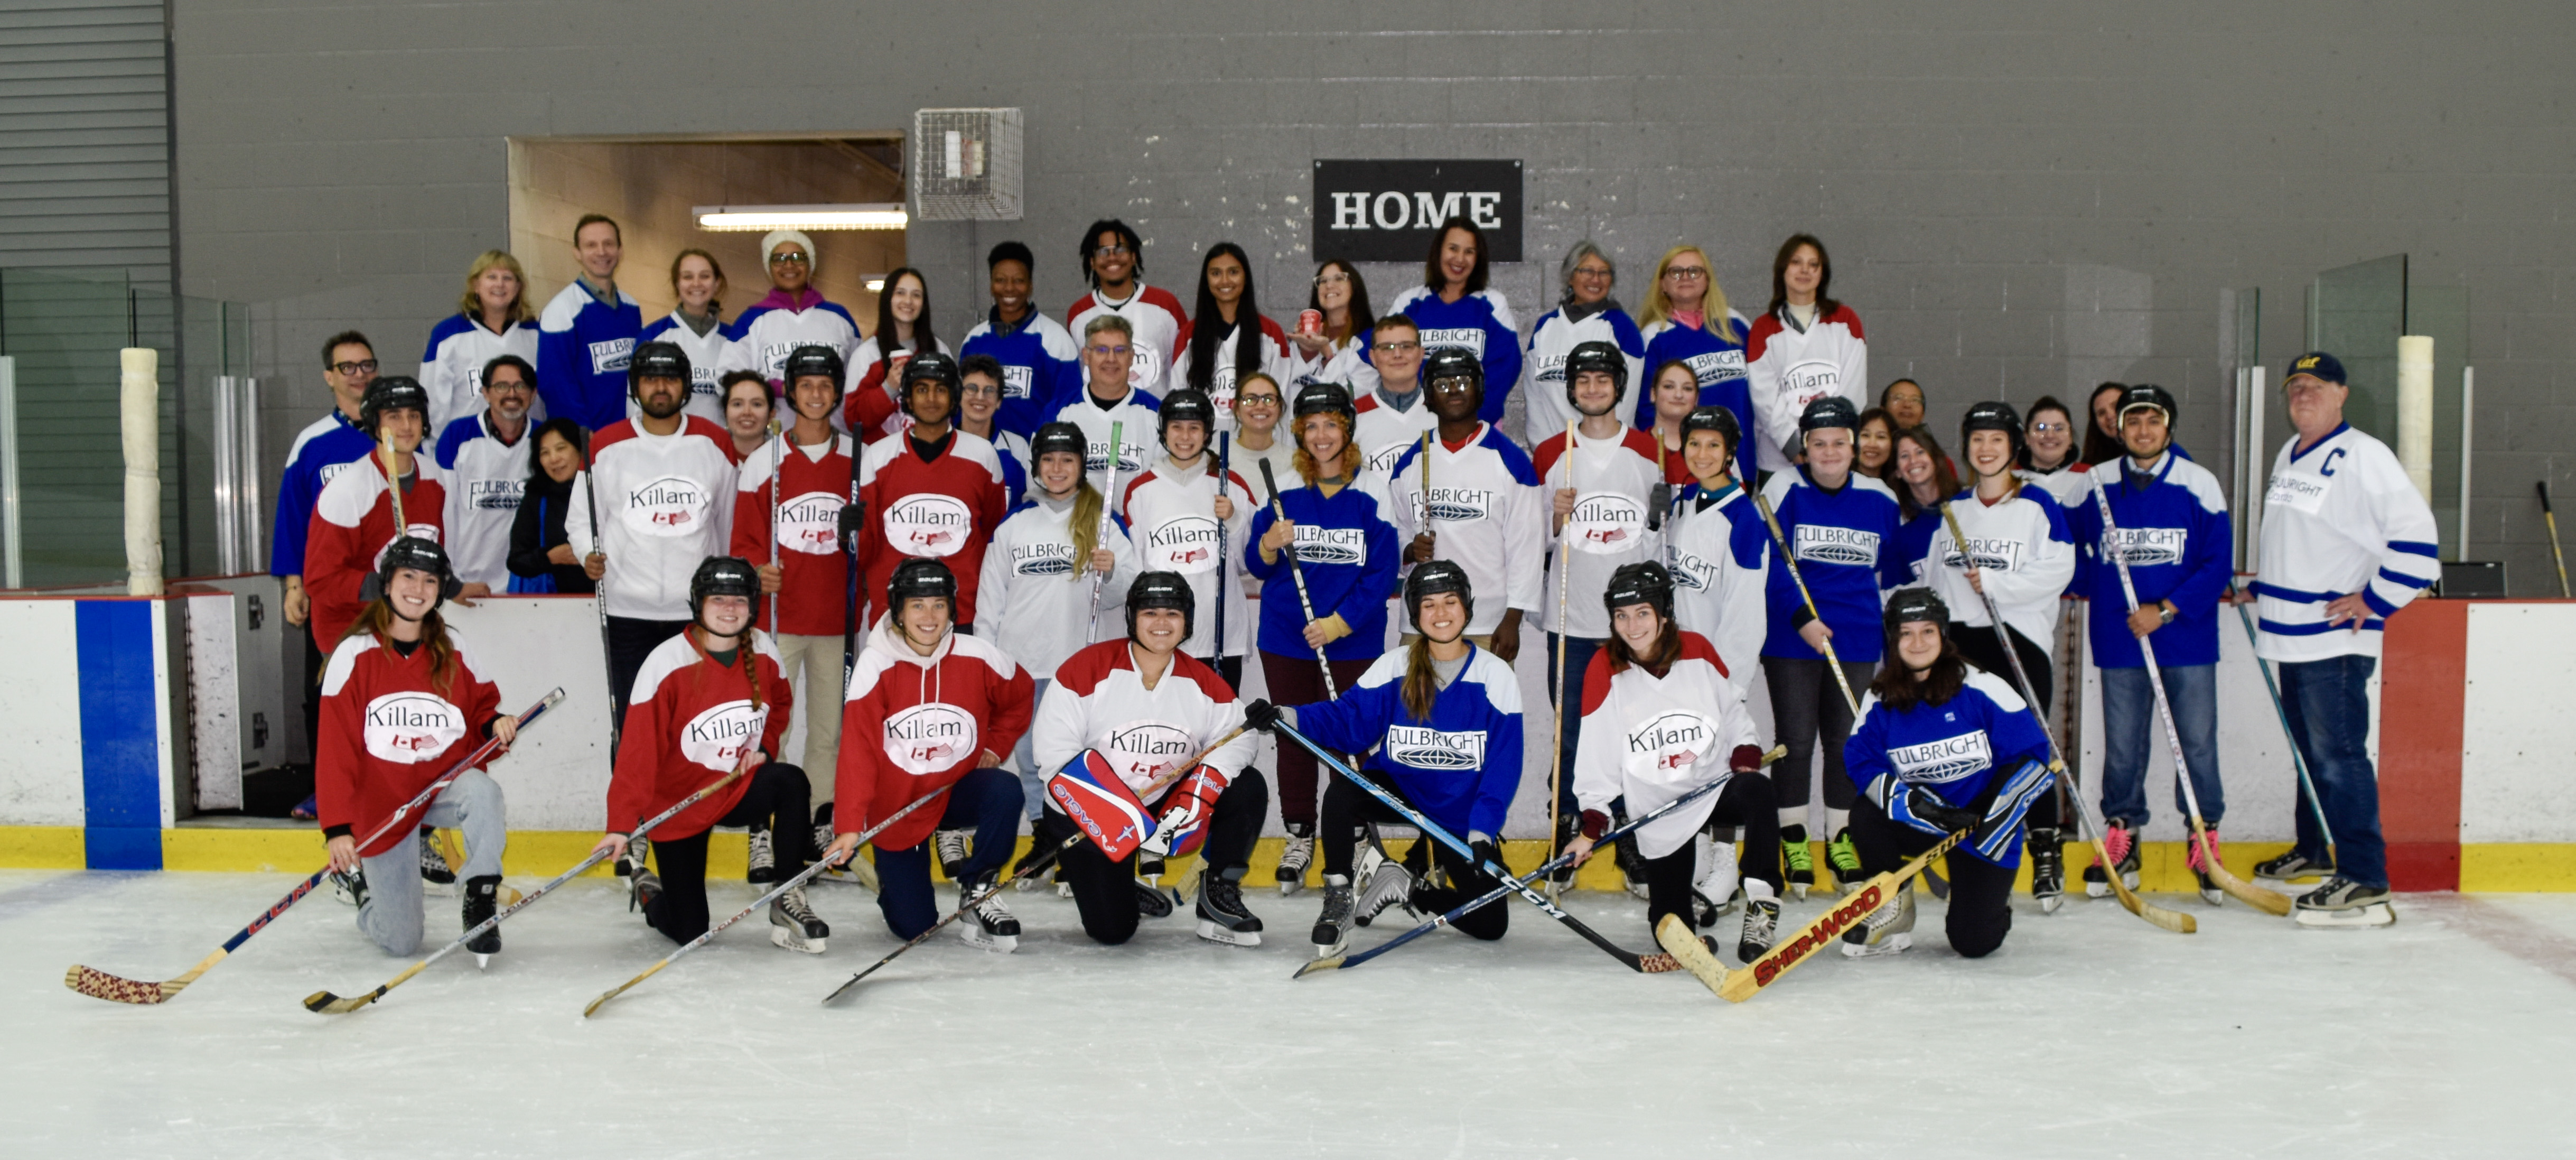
x=1980, y=913
x=986, y=801
x=1981, y=649
x=629, y=642
x=1748, y=801
x=1807, y=707
x=1346, y=806
x=1105, y=891
x=778, y=801
x=1298, y=680
x=313, y=663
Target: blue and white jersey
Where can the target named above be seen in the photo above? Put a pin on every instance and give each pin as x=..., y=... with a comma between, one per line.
x=1911, y=547
x=1459, y=765
x=320, y=452
x=1543, y=367
x=1720, y=557
x=1716, y=359
x=1977, y=748
x=1135, y=418
x=1041, y=367
x=1480, y=322
x=1486, y=514
x=1345, y=545
x=2024, y=555
x=1843, y=540
x=451, y=370
x=705, y=351
x=583, y=348
x=764, y=335
x=2339, y=517
x=485, y=479
x=2175, y=533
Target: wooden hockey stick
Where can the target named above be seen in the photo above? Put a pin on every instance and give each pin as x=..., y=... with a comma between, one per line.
x=98, y=984
x=1108, y=505
x=1745, y=982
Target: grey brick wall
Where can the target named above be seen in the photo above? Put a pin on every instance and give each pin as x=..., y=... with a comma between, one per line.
x=2019, y=197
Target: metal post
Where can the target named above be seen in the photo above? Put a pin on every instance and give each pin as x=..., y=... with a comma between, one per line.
x=14, y=568
x=227, y=541
x=2468, y=420
x=249, y=464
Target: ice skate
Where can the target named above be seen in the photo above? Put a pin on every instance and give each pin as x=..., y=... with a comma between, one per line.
x=350, y=888
x=1713, y=892
x=2342, y=902
x=2121, y=843
x=2293, y=866
x=2192, y=857
x=1568, y=827
x=1386, y=884
x=1844, y=858
x=1761, y=922
x=1632, y=865
x=1298, y=854
x=1887, y=930
x=482, y=900
x=763, y=861
x=949, y=846
x=1801, y=863
x=1222, y=917
x=1151, y=902
x=638, y=854
x=2047, y=869
x=1332, y=933
x=643, y=886
x=434, y=869
x=994, y=928
x=794, y=925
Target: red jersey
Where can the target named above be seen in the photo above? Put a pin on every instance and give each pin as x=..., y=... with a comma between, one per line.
x=914, y=724
x=943, y=508
x=813, y=591
x=387, y=731
x=686, y=727
x=352, y=525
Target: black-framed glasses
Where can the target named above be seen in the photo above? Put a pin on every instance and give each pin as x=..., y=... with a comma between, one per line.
x=797, y=256
x=1252, y=400
x=348, y=369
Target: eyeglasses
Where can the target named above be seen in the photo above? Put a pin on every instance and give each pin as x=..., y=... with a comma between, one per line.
x=975, y=390
x=1591, y=271
x=1333, y=278
x=1112, y=349
x=1395, y=347
x=1687, y=274
x=1256, y=400
x=1113, y=252
x=2051, y=428
x=796, y=256
x=347, y=369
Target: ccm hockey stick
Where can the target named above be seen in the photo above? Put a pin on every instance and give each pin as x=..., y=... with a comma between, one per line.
x=1031, y=865
x=2268, y=901
x=1346, y=962
x=99, y=984
x=326, y=1003
x=2172, y=920
x=1747, y=981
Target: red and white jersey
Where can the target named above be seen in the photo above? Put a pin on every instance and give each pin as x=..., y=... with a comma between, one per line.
x=706, y=358
x=1486, y=513
x=945, y=509
x=1787, y=368
x=914, y=724
x=1171, y=519
x=1275, y=362
x=665, y=505
x=1137, y=424
x=1035, y=595
x=813, y=585
x=1099, y=701
x=869, y=407
x=1385, y=434
x=687, y=725
x=1652, y=739
x=388, y=730
x=1612, y=479
x=1158, y=320
x=353, y=524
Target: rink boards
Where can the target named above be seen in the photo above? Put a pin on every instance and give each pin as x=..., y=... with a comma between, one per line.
x=101, y=694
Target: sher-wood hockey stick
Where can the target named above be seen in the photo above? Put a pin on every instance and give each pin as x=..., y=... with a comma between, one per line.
x=756, y=904
x=2172, y=920
x=99, y=984
x=326, y=1003
x=1346, y=962
x=1745, y=982
x=1642, y=964
x=2268, y=901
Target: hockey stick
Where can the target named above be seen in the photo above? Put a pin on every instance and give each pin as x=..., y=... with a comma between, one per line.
x=1779, y=539
x=1298, y=574
x=393, y=481
x=1556, y=742
x=98, y=984
x=777, y=513
x=2549, y=515
x=756, y=904
x=1117, y=433
x=2268, y=901
x=2297, y=761
x=326, y=1003
x=1642, y=964
x=1742, y=983
x=2172, y=920
x=1030, y=865
x=1224, y=445
x=599, y=600
x=1346, y=962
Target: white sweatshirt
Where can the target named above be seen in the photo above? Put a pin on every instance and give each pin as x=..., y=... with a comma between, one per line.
x=2024, y=551
x=1787, y=368
x=1098, y=701
x=2339, y=517
x=1651, y=740
x=1488, y=515
x=1034, y=599
x=766, y=334
x=1171, y=518
x=665, y=505
x=1612, y=479
x=1720, y=559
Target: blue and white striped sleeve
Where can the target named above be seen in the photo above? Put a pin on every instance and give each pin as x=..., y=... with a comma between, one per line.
x=2410, y=558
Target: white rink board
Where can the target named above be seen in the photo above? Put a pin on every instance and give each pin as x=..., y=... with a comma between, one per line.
x=40, y=767
x=2517, y=734
x=556, y=779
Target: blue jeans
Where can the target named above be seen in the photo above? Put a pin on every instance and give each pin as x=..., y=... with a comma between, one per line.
x=1569, y=703
x=1024, y=759
x=2129, y=716
x=2328, y=703
x=987, y=799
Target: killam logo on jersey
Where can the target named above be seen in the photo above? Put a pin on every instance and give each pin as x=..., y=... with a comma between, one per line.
x=1383, y=459
x=716, y=737
x=1424, y=748
x=1322, y=545
x=1460, y=504
x=1992, y=553
x=2144, y=546
x=1042, y=559
x=495, y=495
x=1605, y=523
x=1716, y=366
x=1675, y=738
x=929, y=737
x=1827, y=544
x=669, y=506
x=411, y=727
x=928, y=524
x=1947, y=759
x=1186, y=543
x=1808, y=381
x=811, y=523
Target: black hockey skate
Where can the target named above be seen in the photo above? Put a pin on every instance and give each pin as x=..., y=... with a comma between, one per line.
x=482, y=900
x=2047, y=868
x=1332, y=933
x=1222, y=916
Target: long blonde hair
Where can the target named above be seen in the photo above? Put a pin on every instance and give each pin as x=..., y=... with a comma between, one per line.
x=1087, y=502
x=472, y=304
x=1659, y=306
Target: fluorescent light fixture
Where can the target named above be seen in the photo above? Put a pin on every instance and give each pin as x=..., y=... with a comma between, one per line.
x=888, y=215
x=876, y=283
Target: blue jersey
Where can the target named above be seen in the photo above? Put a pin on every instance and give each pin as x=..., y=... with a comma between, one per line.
x=1979, y=750
x=1346, y=547
x=583, y=348
x=1041, y=367
x=1480, y=322
x=1845, y=544
x=1460, y=764
x=1716, y=359
x=330, y=444
x=2178, y=541
x=1912, y=544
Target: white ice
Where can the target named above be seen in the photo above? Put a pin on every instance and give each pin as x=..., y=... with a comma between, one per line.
x=2090, y=1034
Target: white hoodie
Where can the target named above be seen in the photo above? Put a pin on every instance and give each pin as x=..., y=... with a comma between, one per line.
x=1034, y=599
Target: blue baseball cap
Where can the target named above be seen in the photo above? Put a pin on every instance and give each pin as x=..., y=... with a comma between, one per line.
x=2317, y=363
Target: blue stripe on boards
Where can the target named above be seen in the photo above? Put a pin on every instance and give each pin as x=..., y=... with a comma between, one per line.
x=120, y=745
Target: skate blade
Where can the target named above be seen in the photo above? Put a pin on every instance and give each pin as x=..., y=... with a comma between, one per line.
x=2097, y=890
x=1800, y=889
x=439, y=889
x=787, y=938
x=1894, y=944
x=2213, y=896
x=2048, y=904
x=2359, y=917
x=1331, y=951
x=1064, y=890
x=1291, y=887
x=1000, y=944
x=482, y=961
x=1233, y=938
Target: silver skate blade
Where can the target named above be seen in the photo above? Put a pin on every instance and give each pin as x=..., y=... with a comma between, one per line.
x=1222, y=937
x=482, y=961
x=2357, y=918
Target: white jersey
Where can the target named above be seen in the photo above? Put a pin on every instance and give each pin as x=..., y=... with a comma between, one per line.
x=2024, y=552
x=1721, y=568
x=451, y=370
x=1787, y=368
x=1171, y=519
x=1384, y=433
x=1034, y=599
x=1487, y=514
x=772, y=334
x=1275, y=362
x=665, y=505
x=2071, y=486
x=1136, y=423
x=2339, y=517
x=1155, y=319
x=1347, y=364
x=1650, y=740
x=1612, y=479
x=1543, y=370
x=1099, y=701
x=706, y=356
x=485, y=478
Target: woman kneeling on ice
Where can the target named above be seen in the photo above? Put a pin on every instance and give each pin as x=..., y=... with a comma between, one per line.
x=1941, y=747
x=401, y=701
x=932, y=712
x=1657, y=710
x=1441, y=722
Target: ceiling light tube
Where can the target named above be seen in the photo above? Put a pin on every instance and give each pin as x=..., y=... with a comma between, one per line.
x=858, y=216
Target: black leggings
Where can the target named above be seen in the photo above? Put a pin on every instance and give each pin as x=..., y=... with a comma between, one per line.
x=1980, y=891
x=777, y=801
x=1748, y=801
x=1298, y=680
x=1979, y=646
x=1347, y=806
x=1805, y=703
x=1105, y=891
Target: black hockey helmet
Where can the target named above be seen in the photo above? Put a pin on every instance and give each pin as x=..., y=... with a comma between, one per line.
x=721, y=576
x=1163, y=590
x=2145, y=395
x=1323, y=399
x=1453, y=362
x=1719, y=419
x=931, y=366
x=922, y=578
x=814, y=359
x=419, y=555
x=1644, y=582
x=1597, y=356
x=1184, y=405
x=1826, y=412
x=1995, y=415
x=1910, y=605
x=656, y=360
x=1059, y=436
x=392, y=393
x=1432, y=578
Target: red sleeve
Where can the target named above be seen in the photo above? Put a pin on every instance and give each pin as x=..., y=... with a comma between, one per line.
x=1846, y=316
x=1694, y=648
x=723, y=439
x=329, y=574
x=751, y=521
x=340, y=761
x=868, y=407
x=482, y=705
x=1015, y=704
x=1596, y=681
x=781, y=696
x=639, y=762
x=862, y=752
x=1760, y=336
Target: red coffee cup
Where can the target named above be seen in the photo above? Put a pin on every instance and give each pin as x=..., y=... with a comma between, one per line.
x=1310, y=322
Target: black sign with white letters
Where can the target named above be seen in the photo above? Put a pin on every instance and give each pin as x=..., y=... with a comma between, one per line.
x=1387, y=211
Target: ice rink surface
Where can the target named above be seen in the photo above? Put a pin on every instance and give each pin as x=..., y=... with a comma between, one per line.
x=2091, y=1034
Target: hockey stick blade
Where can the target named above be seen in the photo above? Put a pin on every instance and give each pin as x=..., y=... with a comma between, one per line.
x=1692, y=954
x=98, y=984
x=1749, y=980
x=2270, y=902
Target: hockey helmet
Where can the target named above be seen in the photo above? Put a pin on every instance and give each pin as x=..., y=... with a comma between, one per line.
x=1644, y=582
x=1326, y=399
x=721, y=576
x=656, y=360
x=1059, y=436
x=814, y=359
x=416, y=554
x=1595, y=356
x=1996, y=415
x=1432, y=578
x=930, y=366
x=1718, y=419
x=2149, y=395
x=392, y=393
x=1826, y=412
x=1184, y=405
x=1453, y=362
x=1163, y=590
x=1910, y=605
